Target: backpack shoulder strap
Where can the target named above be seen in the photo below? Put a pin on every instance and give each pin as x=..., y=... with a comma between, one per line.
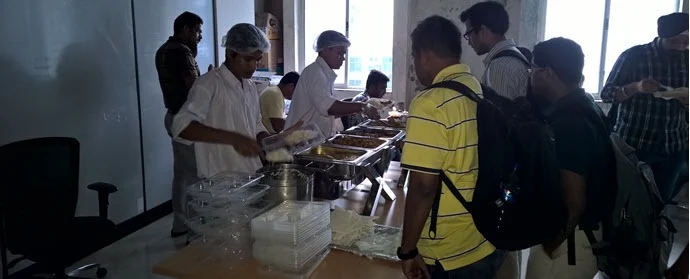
x=514, y=54
x=457, y=87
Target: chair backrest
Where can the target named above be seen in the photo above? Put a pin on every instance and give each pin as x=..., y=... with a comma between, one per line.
x=39, y=186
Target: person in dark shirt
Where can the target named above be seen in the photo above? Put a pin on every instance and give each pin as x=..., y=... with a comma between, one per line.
x=177, y=71
x=375, y=88
x=584, y=154
x=655, y=127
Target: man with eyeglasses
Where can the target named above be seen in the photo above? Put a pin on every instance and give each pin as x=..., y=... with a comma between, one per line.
x=505, y=66
x=657, y=128
x=584, y=155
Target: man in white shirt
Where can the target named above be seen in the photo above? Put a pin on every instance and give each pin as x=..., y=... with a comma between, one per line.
x=221, y=114
x=505, y=66
x=313, y=100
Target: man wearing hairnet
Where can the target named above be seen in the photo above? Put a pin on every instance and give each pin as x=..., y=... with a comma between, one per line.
x=313, y=100
x=221, y=114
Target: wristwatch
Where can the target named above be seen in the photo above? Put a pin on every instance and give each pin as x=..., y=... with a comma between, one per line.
x=407, y=256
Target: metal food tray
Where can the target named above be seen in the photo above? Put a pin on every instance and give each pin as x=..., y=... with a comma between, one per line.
x=377, y=232
x=320, y=153
x=383, y=143
x=375, y=124
x=373, y=132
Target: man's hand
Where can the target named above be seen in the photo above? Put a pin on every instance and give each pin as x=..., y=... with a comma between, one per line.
x=648, y=86
x=415, y=268
x=683, y=100
x=245, y=146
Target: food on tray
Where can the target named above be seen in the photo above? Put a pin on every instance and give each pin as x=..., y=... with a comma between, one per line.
x=372, y=133
x=391, y=122
x=300, y=136
x=357, y=142
x=348, y=227
x=334, y=153
x=279, y=155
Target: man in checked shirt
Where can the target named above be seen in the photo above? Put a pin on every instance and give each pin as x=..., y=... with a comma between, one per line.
x=655, y=127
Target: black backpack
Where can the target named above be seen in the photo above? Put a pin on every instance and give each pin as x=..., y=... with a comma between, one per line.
x=517, y=200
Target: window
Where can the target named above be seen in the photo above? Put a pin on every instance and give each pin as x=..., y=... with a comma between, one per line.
x=356, y=19
x=564, y=19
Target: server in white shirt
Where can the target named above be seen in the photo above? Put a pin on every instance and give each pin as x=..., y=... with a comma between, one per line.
x=221, y=114
x=313, y=100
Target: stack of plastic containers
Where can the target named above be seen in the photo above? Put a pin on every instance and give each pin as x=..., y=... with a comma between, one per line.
x=293, y=238
x=219, y=212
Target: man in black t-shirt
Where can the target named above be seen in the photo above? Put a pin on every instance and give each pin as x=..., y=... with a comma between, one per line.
x=584, y=154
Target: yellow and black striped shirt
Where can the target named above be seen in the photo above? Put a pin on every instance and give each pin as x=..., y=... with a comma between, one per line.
x=442, y=136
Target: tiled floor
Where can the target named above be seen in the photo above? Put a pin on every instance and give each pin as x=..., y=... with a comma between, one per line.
x=133, y=256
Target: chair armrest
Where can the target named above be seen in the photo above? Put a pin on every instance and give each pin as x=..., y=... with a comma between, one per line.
x=102, y=187
x=104, y=190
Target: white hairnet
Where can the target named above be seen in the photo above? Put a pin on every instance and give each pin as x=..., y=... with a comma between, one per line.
x=330, y=38
x=245, y=38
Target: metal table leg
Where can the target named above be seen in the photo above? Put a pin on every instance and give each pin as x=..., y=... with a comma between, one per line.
x=378, y=185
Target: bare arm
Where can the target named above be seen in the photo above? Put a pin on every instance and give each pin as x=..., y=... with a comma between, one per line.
x=278, y=124
x=196, y=131
x=340, y=108
x=574, y=190
x=420, y=199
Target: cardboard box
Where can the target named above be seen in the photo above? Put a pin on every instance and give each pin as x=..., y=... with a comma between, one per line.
x=272, y=58
x=270, y=25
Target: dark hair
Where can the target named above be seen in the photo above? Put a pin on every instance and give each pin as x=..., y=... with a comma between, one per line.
x=490, y=14
x=290, y=78
x=186, y=19
x=438, y=35
x=376, y=77
x=526, y=53
x=563, y=56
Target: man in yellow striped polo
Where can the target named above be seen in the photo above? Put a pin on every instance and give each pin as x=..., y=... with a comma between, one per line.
x=442, y=138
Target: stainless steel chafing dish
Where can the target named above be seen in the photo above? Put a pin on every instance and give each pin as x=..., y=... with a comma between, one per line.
x=386, y=134
x=339, y=162
x=384, y=124
x=357, y=142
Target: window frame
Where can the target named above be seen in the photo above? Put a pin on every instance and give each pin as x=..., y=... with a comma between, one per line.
x=301, y=44
x=604, y=44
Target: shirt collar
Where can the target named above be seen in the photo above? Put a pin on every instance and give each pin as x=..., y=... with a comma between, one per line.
x=501, y=46
x=230, y=77
x=330, y=73
x=451, y=70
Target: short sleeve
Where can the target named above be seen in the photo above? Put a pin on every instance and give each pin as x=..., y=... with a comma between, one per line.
x=575, y=142
x=272, y=104
x=194, y=109
x=426, y=143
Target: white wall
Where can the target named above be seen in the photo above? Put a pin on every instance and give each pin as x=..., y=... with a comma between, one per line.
x=229, y=13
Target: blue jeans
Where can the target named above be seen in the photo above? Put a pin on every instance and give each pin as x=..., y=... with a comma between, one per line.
x=483, y=269
x=670, y=171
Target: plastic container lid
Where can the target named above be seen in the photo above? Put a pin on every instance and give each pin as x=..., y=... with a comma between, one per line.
x=292, y=222
x=295, y=141
x=291, y=258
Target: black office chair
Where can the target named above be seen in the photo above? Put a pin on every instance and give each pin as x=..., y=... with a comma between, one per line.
x=39, y=185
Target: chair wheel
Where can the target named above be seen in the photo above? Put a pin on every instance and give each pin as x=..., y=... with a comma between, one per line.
x=101, y=272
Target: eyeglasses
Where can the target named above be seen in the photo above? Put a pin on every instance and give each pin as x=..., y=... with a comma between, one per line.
x=469, y=33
